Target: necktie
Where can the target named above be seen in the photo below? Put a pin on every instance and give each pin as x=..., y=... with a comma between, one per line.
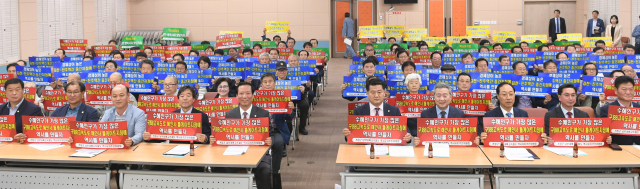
x=508, y=114
x=377, y=110
x=569, y=115
x=557, y=25
x=442, y=114
x=245, y=115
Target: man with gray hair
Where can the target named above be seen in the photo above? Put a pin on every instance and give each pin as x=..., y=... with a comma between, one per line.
x=442, y=109
x=171, y=85
x=264, y=58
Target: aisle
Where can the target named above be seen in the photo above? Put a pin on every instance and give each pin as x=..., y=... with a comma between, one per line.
x=313, y=160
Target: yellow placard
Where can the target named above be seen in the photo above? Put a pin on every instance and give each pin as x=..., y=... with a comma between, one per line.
x=456, y=39
x=231, y=32
x=371, y=31
x=570, y=36
x=478, y=31
x=415, y=34
x=591, y=41
x=433, y=41
x=277, y=27
x=533, y=38
x=501, y=36
x=393, y=31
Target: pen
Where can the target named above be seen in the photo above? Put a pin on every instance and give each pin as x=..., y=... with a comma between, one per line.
x=136, y=148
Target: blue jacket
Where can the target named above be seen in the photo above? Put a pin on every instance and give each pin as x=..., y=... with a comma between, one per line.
x=26, y=108
x=600, y=24
x=136, y=121
x=85, y=113
x=347, y=28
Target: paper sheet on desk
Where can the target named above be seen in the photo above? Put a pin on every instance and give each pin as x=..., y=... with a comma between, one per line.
x=235, y=150
x=401, y=151
x=439, y=150
x=380, y=149
x=87, y=153
x=637, y=146
x=517, y=154
x=45, y=147
x=180, y=150
x=564, y=151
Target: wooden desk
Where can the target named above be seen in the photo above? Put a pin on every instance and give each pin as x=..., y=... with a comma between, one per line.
x=16, y=152
x=631, y=149
x=596, y=158
x=205, y=155
x=460, y=157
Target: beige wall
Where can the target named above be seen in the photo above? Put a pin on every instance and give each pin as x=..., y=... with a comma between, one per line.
x=413, y=15
x=89, y=21
x=205, y=18
x=28, y=20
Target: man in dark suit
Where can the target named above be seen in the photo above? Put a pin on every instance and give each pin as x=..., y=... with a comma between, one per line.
x=506, y=97
x=442, y=109
x=556, y=26
x=246, y=110
x=75, y=93
x=376, y=106
x=595, y=26
x=625, y=93
x=567, y=95
x=18, y=106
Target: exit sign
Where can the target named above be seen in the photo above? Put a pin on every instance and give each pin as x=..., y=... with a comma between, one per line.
x=396, y=13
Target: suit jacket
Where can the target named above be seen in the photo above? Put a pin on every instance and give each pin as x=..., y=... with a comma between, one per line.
x=136, y=121
x=389, y=110
x=552, y=27
x=619, y=139
x=347, y=28
x=85, y=113
x=617, y=36
x=206, y=125
x=433, y=113
x=557, y=113
x=497, y=112
x=599, y=23
x=26, y=108
x=257, y=112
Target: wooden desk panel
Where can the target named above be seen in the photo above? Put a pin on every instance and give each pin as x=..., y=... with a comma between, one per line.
x=596, y=158
x=205, y=155
x=460, y=157
x=631, y=149
x=23, y=153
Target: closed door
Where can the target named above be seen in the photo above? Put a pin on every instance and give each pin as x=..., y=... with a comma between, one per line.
x=537, y=16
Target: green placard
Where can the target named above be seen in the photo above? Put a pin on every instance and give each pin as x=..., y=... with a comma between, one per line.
x=506, y=46
x=488, y=46
x=379, y=47
x=266, y=44
x=465, y=46
x=174, y=34
x=414, y=49
x=325, y=50
x=247, y=43
x=535, y=45
x=565, y=43
x=199, y=47
x=131, y=41
x=438, y=47
x=403, y=45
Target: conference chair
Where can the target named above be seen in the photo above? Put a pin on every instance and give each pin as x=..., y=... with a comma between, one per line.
x=589, y=111
x=536, y=112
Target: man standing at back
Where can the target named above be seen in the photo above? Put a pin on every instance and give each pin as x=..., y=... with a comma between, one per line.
x=595, y=26
x=347, y=32
x=556, y=25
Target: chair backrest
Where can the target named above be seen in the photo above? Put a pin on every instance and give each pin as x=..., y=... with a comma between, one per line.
x=536, y=112
x=625, y=39
x=589, y=111
x=210, y=95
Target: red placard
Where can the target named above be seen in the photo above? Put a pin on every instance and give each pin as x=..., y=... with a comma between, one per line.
x=422, y=57
x=101, y=135
x=453, y=131
x=158, y=103
x=158, y=51
x=501, y=51
x=353, y=105
x=54, y=99
x=130, y=53
x=556, y=48
x=587, y=132
x=612, y=50
x=584, y=49
x=274, y=101
x=387, y=56
x=73, y=45
x=513, y=132
x=100, y=94
x=169, y=51
x=471, y=103
x=7, y=128
x=318, y=56
x=624, y=120
x=610, y=90
x=529, y=50
x=411, y=105
x=5, y=77
x=377, y=130
x=29, y=94
x=229, y=41
x=216, y=107
x=257, y=52
x=240, y=132
x=284, y=53
x=174, y=126
x=46, y=129
x=104, y=51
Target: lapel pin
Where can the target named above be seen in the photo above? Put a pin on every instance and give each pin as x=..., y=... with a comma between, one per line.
x=82, y=112
x=388, y=110
x=254, y=115
x=18, y=111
